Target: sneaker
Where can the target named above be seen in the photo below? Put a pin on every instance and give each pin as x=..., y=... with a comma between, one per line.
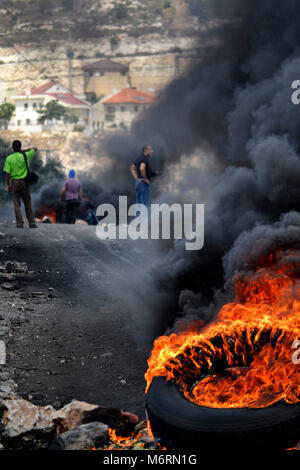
x=32, y=226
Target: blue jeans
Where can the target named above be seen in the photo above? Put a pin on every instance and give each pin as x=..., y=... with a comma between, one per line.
x=143, y=193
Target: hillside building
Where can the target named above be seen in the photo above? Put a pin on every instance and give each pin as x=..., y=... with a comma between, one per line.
x=104, y=77
x=119, y=109
x=29, y=102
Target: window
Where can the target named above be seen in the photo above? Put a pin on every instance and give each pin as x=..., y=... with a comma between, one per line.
x=19, y=122
x=27, y=122
x=99, y=74
x=109, y=117
x=25, y=105
x=123, y=73
x=123, y=108
x=34, y=105
x=136, y=108
x=111, y=109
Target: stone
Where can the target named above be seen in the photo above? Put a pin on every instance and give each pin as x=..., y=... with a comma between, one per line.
x=72, y=415
x=85, y=437
x=8, y=389
x=16, y=267
x=26, y=426
x=78, y=412
x=10, y=286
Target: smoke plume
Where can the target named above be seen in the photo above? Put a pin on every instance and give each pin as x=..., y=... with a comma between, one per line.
x=235, y=107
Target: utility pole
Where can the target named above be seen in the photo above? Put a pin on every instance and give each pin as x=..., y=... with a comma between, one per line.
x=70, y=57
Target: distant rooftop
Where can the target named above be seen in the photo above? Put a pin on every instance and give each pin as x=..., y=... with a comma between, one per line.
x=63, y=94
x=105, y=65
x=129, y=95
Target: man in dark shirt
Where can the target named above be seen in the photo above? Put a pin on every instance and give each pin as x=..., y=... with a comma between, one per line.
x=142, y=173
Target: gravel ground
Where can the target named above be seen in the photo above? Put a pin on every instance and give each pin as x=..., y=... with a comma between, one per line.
x=79, y=324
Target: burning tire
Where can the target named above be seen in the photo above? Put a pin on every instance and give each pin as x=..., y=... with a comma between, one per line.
x=180, y=424
x=234, y=383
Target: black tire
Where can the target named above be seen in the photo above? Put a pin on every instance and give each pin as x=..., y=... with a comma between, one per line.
x=180, y=424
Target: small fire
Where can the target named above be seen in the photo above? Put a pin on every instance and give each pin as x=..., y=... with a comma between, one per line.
x=122, y=442
x=149, y=429
x=47, y=211
x=243, y=358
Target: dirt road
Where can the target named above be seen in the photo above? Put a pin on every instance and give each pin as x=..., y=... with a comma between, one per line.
x=81, y=324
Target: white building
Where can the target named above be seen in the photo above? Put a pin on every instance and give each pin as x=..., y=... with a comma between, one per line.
x=3, y=92
x=119, y=109
x=29, y=102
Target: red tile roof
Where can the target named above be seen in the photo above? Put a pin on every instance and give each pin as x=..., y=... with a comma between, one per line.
x=67, y=97
x=129, y=95
x=40, y=90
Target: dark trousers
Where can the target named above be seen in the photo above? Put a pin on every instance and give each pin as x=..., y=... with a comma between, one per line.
x=70, y=211
x=21, y=191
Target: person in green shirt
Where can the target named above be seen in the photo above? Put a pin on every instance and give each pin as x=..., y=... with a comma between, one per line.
x=16, y=172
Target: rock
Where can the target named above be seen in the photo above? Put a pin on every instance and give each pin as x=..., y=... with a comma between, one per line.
x=7, y=277
x=10, y=286
x=85, y=437
x=72, y=415
x=26, y=426
x=8, y=389
x=15, y=267
x=77, y=412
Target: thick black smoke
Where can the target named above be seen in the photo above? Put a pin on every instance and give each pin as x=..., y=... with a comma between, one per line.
x=237, y=107
x=49, y=196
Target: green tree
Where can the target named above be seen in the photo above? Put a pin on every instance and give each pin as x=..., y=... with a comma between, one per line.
x=71, y=117
x=92, y=98
x=52, y=111
x=6, y=112
x=120, y=11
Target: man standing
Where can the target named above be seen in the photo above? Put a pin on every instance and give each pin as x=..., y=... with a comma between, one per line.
x=142, y=173
x=16, y=172
x=72, y=191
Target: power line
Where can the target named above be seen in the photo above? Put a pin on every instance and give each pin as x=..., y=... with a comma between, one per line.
x=23, y=56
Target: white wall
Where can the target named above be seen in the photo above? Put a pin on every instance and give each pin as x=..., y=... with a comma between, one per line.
x=23, y=113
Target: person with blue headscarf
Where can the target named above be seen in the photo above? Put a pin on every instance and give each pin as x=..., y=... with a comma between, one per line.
x=72, y=195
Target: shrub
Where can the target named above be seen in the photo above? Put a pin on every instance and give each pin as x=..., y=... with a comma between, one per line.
x=78, y=128
x=114, y=42
x=120, y=11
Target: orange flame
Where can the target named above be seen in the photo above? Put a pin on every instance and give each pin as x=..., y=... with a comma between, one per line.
x=47, y=211
x=122, y=442
x=243, y=358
